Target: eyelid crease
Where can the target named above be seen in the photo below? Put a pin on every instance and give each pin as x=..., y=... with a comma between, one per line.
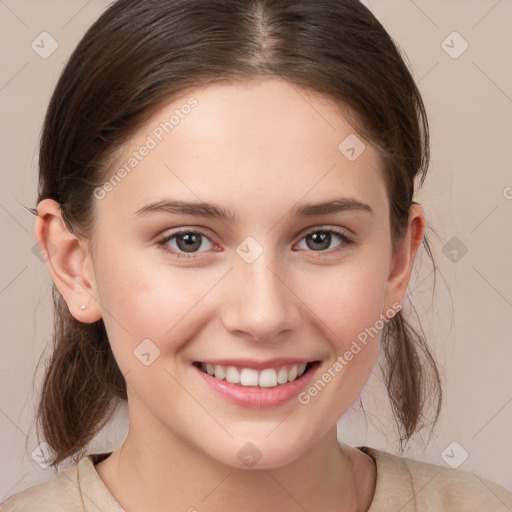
x=162, y=242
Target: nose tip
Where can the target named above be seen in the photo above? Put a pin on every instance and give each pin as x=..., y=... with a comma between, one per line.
x=261, y=305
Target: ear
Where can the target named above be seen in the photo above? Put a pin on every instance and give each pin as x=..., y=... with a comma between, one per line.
x=68, y=261
x=404, y=254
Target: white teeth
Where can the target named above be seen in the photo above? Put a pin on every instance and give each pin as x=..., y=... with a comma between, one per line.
x=219, y=372
x=249, y=377
x=267, y=378
x=232, y=375
x=282, y=376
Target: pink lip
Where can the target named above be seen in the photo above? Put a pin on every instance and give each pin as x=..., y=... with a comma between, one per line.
x=258, y=365
x=253, y=396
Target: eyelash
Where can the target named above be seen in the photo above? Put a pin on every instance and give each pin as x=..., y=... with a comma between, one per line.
x=162, y=243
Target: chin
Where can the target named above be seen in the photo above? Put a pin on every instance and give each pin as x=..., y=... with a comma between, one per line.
x=254, y=454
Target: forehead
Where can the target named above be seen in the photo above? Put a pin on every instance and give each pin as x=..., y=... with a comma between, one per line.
x=234, y=142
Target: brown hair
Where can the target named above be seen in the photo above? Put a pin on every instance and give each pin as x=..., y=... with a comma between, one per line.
x=139, y=55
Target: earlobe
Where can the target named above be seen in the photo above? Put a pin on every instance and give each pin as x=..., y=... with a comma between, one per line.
x=404, y=255
x=67, y=260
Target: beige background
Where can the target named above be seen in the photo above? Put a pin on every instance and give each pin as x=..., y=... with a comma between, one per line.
x=468, y=195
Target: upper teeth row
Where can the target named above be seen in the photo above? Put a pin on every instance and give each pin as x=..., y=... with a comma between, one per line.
x=267, y=378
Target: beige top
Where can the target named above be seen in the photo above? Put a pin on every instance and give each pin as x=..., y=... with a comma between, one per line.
x=403, y=485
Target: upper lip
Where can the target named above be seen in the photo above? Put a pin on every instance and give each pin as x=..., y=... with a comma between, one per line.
x=258, y=365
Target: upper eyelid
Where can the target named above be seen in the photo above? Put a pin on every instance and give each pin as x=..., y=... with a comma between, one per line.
x=337, y=231
x=169, y=236
x=306, y=231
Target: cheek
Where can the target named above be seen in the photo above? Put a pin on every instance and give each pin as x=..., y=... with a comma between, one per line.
x=347, y=299
x=142, y=301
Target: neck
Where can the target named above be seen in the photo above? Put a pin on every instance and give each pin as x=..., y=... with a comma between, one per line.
x=162, y=472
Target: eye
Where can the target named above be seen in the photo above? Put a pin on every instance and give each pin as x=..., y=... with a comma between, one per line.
x=320, y=240
x=184, y=242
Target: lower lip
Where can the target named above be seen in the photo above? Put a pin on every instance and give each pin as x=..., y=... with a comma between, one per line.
x=252, y=396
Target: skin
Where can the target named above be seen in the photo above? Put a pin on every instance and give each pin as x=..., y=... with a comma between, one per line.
x=258, y=148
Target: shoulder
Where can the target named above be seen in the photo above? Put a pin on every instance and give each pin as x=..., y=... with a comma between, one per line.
x=410, y=485
x=79, y=489
x=61, y=492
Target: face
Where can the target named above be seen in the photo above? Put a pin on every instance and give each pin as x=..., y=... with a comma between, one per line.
x=252, y=282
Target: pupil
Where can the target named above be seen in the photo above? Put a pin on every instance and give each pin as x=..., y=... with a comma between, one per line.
x=322, y=238
x=191, y=242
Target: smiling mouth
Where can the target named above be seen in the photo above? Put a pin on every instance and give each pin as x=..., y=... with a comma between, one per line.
x=250, y=377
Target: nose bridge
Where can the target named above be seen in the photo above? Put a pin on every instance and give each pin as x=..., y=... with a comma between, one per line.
x=262, y=306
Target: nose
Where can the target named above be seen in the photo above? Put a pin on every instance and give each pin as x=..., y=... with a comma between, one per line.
x=261, y=304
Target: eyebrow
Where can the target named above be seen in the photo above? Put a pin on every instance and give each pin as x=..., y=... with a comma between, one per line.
x=201, y=209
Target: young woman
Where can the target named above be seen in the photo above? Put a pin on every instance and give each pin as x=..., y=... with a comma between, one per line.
x=226, y=208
